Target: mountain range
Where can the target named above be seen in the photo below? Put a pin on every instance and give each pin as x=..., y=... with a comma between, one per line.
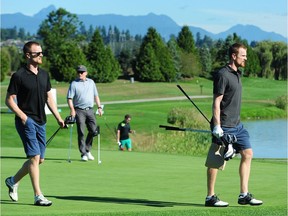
x=164, y=25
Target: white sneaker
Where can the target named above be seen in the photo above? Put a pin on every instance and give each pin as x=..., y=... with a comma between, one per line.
x=84, y=158
x=12, y=189
x=40, y=200
x=90, y=156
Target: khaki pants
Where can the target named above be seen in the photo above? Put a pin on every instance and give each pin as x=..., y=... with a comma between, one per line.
x=215, y=157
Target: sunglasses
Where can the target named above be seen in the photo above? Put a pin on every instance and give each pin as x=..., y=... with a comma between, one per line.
x=81, y=72
x=36, y=54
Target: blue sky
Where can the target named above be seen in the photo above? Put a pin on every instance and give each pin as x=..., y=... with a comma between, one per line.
x=212, y=15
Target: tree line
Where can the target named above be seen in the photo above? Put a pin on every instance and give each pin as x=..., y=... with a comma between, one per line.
x=111, y=53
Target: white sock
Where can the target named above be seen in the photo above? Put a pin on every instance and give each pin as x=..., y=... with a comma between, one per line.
x=243, y=194
x=208, y=197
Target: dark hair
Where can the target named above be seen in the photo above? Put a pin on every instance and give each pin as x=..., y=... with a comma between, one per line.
x=27, y=46
x=234, y=48
x=127, y=116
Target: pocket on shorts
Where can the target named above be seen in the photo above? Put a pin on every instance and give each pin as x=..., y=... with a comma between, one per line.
x=28, y=122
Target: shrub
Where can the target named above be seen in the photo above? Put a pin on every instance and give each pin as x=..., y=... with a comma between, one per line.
x=281, y=102
x=186, y=143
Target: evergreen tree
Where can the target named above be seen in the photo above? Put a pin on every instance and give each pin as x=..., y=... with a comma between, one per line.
x=185, y=40
x=125, y=61
x=61, y=39
x=148, y=66
x=103, y=66
x=163, y=59
x=190, y=58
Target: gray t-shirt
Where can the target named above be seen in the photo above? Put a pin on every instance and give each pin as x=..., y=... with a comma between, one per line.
x=227, y=82
x=82, y=93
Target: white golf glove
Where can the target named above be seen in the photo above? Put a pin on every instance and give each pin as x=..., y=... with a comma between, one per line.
x=119, y=143
x=217, y=131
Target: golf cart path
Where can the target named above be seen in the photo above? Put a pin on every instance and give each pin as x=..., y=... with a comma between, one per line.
x=138, y=100
x=146, y=100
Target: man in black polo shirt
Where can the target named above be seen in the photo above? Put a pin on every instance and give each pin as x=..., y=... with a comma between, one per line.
x=31, y=87
x=227, y=90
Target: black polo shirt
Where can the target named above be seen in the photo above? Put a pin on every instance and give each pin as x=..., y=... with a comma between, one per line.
x=227, y=82
x=31, y=91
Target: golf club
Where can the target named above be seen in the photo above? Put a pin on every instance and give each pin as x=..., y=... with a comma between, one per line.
x=70, y=144
x=227, y=139
x=99, y=159
x=193, y=103
x=70, y=120
x=53, y=135
x=183, y=129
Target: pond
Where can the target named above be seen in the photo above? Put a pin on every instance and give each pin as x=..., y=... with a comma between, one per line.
x=268, y=138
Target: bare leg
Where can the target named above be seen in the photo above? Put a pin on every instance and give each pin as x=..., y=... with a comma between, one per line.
x=23, y=171
x=34, y=173
x=211, y=180
x=31, y=166
x=244, y=169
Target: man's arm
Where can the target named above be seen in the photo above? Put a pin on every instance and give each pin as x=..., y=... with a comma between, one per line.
x=217, y=130
x=71, y=106
x=12, y=105
x=98, y=103
x=216, y=108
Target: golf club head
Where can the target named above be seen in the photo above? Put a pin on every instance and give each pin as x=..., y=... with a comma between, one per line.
x=70, y=120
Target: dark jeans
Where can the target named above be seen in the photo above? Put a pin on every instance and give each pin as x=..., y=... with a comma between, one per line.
x=85, y=118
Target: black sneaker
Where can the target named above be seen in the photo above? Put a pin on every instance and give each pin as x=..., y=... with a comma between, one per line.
x=214, y=201
x=248, y=199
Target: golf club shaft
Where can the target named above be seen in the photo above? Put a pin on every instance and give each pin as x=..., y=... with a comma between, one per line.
x=70, y=144
x=184, y=129
x=51, y=138
x=193, y=103
x=99, y=149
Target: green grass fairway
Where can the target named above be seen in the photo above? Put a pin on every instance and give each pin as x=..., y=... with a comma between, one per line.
x=134, y=183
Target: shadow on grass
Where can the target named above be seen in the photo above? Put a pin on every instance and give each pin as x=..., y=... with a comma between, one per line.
x=115, y=200
x=12, y=157
x=9, y=202
x=47, y=159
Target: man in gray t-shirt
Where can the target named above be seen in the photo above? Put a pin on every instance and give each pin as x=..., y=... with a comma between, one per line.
x=81, y=96
x=227, y=90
